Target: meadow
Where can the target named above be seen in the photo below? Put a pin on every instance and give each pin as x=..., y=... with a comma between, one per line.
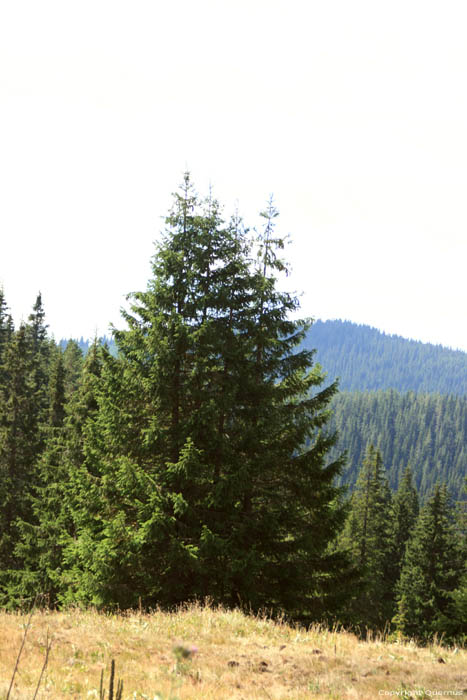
x=204, y=653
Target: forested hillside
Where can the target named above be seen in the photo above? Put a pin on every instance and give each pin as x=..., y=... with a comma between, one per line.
x=427, y=432
x=366, y=359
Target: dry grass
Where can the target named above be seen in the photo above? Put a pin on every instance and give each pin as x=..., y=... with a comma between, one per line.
x=238, y=657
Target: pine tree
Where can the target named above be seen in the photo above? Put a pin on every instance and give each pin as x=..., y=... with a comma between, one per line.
x=32, y=416
x=200, y=481
x=431, y=570
x=452, y=623
x=6, y=332
x=39, y=353
x=56, y=402
x=73, y=366
x=405, y=512
x=24, y=414
x=368, y=537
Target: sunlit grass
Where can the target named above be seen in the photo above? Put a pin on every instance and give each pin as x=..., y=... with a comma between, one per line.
x=231, y=656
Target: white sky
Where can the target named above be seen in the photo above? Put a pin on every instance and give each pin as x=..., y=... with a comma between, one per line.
x=352, y=113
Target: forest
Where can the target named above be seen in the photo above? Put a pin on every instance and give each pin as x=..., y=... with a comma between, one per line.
x=426, y=431
x=205, y=456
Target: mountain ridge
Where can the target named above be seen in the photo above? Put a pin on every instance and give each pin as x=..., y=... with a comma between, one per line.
x=367, y=359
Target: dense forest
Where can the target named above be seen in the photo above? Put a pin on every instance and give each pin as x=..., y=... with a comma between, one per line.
x=200, y=458
x=365, y=359
x=426, y=431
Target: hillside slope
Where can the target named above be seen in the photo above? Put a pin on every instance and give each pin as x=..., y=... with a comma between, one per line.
x=366, y=359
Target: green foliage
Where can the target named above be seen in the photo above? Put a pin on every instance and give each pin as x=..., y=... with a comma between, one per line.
x=451, y=624
x=60, y=496
x=405, y=509
x=431, y=571
x=6, y=331
x=43, y=528
x=73, y=365
x=368, y=536
x=21, y=438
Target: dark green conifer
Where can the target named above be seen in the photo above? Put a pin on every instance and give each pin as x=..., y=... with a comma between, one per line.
x=27, y=415
x=431, y=570
x=405, y=509
x=39, y=354
x=452, y=623
x=199, y=478
x=368, y=537
x=73, y=366
x=6, y=332
x=56, y=390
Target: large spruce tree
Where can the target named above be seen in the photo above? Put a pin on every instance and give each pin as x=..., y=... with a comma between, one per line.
x=205, y=470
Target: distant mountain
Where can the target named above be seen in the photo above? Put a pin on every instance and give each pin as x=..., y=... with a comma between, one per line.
x=366, y=359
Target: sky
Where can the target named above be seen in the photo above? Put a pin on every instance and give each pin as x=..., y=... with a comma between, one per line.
x=351, y=114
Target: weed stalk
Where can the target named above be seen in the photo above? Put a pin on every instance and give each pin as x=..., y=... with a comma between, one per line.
x=18, y=657
x=44, y=665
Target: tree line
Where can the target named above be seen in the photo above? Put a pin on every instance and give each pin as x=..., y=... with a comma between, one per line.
x=194, y=463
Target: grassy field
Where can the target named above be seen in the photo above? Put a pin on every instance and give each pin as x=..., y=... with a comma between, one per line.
x=229, y=656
